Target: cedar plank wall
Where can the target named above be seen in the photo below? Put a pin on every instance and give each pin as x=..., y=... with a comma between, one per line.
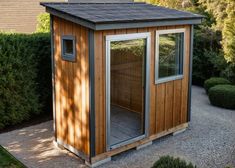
x=72, y=87
x=168, y=101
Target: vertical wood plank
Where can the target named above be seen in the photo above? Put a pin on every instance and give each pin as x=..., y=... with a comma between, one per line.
x=152, y=118
x=98, y=90
x=184, y=100
x=169, y=105
x=77, y=89
x=87, y=110
x=160, y=107
x=159, y=97
x=177, y=103
x=83, y=87
x=56, y=23
x=63, y=88
x=129, y=31
x=69, y=85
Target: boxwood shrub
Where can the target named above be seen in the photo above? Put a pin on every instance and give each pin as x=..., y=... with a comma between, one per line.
x=214, y=81
x=223, y=96
x=170, y=162
x=25, y=77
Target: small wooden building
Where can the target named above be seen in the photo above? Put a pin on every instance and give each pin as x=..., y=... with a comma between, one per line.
x=121, y=75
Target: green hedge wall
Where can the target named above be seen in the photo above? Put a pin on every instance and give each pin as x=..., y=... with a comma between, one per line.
x=25, y=77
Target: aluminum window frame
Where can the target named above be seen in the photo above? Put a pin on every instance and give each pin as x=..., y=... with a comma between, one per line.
x=125, y=37
x=173, y=77
x=68, y=57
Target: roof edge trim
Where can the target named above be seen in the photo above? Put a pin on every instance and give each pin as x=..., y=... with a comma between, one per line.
x=125, y=25
x=122, y=25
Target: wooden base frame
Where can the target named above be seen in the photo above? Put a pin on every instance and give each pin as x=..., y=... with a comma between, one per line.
x=142, y=142
x=106, y=157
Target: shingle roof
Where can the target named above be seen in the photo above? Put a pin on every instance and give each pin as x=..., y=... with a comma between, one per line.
x=97, y=13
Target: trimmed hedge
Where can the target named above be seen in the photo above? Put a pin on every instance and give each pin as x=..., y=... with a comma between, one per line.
x=25, y=77
x=222, y=96
x=170, y=162
x=214, y=81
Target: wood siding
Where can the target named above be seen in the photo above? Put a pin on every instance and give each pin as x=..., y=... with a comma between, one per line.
x=21, y=15
x=168, y=101
x=72, y=87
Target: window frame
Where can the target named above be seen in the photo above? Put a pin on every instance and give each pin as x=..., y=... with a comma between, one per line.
x=174, y=77
x=68, y=57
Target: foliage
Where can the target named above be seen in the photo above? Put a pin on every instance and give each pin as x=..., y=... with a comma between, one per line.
x=8, y=161
x=224, y=14
x=229, y=32
x=206, y=64
x=25, y=82
x=213, y=82
x=218, y=9
x=229, y=73
x=177, y=4
x=170, y=162
x=43, y=23
x=222, y=96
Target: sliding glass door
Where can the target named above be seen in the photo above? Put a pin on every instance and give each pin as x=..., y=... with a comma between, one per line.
x=126, y=88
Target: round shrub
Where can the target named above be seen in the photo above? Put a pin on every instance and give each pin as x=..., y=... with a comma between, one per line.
x=214, y=81
x=223, y=96
x=170, y=162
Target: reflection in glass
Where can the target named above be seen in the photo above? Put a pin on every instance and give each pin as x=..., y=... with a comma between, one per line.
x=127, y=59
x=170, y=54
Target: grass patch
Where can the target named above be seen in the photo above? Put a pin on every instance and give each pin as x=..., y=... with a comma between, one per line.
x=9, y=161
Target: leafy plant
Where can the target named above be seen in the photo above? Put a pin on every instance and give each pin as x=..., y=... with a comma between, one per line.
x=222, y=96
x=43, y=23
x=170, y=162
x=214, y=81
x=229, y=73
x=9, y=161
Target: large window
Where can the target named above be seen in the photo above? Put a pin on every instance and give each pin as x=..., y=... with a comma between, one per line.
x=68, y=48
x=169, y=55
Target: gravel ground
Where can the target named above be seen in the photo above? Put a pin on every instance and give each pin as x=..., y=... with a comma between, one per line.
x=209, y=142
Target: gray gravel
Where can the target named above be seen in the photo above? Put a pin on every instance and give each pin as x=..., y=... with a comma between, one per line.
x=209, y=142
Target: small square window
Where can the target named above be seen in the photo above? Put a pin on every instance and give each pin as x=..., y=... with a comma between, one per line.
x=169, y=55
x=68, y=48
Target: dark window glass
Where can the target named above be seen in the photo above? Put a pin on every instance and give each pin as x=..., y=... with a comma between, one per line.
x=68, y=46
x=170, y=54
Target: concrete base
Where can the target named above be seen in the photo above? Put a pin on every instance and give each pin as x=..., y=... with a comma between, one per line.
x=144, y=145
x=58, y=145
x=178, y=132
x=98, y=163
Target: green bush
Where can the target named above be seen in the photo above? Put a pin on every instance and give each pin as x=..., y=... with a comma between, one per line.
x=25, y=78
x=208, y=61
x=229, y=73
x=222, y=96
x=214, y=81
x=43, y=23
x=170, y=162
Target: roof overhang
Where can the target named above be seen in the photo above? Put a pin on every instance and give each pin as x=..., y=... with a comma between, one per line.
x=122, y=25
